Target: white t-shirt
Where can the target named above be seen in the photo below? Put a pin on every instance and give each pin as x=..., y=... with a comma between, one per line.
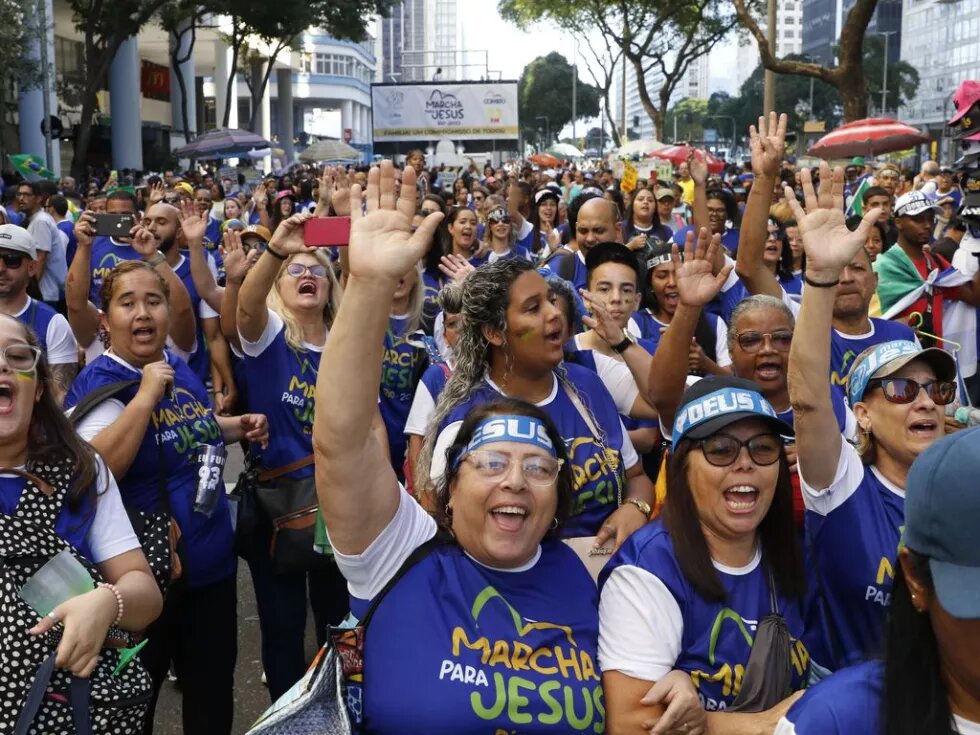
x=641, y=627
x=111, y=533
x=273, y=325
x=55, y=243
x=60, y=340
x=617, y=378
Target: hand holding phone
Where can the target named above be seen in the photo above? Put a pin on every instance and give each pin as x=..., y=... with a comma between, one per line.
x=322, y=232
x=114, y=225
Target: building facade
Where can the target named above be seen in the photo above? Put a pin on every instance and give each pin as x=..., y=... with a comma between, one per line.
x=939, y=39
x=823, y=20
x=420, y=40
x=789, y=38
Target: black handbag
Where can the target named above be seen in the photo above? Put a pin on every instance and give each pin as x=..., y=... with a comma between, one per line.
x=769, y=672
x=291, y=507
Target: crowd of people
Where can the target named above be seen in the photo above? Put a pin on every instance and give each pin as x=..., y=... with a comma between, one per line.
x=666, y=459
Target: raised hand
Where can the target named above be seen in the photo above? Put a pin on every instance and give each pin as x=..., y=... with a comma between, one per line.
x=237, y=262
x=143, y=241
x=288, y=237
x=259, y=196
x=698, y=166
x=600, y=320
x=85, y=229
x=193, y=224
x=696, y=285
x=456, y=267
x=340, y=192
x=768, y=144
x=157, y=192
x=382, y=244
x=828, y=244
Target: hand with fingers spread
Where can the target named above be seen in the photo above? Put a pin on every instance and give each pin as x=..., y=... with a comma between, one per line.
x=288, y=238
x=698, y=166
x=259, y=196
x=193, y=224
x=335, y=190
x=768, y=144
x=237, y=262
x=157, y=192
x=456, y=267
x=601, y=321
x=383, y=246
x=828, y=243
x=696, y=285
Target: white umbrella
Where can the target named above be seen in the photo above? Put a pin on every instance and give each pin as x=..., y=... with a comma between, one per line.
x=329, y=150
x=638, y=147
x=565, y=151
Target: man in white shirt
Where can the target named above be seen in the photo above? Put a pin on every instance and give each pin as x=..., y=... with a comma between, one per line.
x=52, y=243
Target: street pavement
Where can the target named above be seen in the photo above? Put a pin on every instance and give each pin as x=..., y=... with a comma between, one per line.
x=251, y=696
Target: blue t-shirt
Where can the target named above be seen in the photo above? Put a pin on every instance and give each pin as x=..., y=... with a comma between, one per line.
x=72, y=526
x=854, y=548
x=106, y=255
x=792, y=285
x=401, y=369
x=580, y=275
x=489, y=651
x=180, y=426
x=516, y=251
x=281, y=383
x=598, y=478
x=844, y=348
x=38, y=316
x=586, y=358
x=717, y=637
x=729, y=238
x=847, y=703
x=68, y=227
x=200, y=361
x=212, y=234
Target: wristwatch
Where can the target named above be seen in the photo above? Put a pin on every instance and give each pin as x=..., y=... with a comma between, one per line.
x=628, y=341
x=156, y=259
x=643, y=505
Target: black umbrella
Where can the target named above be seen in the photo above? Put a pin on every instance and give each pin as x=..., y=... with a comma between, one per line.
x=222, y=143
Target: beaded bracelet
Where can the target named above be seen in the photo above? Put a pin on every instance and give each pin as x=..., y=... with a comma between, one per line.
x=119, y=600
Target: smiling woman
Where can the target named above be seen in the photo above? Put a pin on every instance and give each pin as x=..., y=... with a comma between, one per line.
x=495, y=580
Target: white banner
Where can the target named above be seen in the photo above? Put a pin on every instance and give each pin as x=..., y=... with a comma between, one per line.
x=457, y=110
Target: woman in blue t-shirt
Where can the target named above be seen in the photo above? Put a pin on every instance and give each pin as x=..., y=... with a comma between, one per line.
x=506, y=638
x=688, y=591
x=285, y=307
x=56, y=496
x=151, y=434
x=511, y=345
x=926, y=679
x=855, y=496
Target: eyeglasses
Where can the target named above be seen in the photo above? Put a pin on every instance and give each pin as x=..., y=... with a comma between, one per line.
x=21, y=356
x=260, y=245
x=496, y=465
x=722, y=450
x=752, y=341
x=12, y=260
x=499, y=220
x=296, y=270
x=905, y=390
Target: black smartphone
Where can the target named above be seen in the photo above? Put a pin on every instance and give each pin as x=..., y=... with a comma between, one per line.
x=114, y=225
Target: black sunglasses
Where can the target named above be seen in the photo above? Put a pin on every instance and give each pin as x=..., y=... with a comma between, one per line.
x=905, y=390
x=722, y=450
x=12, y=260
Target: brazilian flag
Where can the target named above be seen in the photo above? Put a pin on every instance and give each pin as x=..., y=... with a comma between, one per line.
x=30, y=167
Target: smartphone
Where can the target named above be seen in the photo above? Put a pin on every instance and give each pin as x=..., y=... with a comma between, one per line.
x=114, y=225
x=322, y=232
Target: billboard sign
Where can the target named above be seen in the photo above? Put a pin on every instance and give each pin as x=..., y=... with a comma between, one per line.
x=454, y=110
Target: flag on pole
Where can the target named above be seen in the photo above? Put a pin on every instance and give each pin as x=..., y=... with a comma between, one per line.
x=30, y=167
x=857, y=199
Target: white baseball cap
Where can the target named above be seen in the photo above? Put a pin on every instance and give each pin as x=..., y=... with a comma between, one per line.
x=13, y=237
x=915, y=202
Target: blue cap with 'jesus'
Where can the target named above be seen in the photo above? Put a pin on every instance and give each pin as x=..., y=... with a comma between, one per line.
x=714, y=403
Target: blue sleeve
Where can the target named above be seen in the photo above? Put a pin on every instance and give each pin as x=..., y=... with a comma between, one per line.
x=729, y=300
x=681, y=234
x=840, y=407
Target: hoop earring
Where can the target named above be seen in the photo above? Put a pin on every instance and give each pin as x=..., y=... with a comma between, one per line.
x=554, y=523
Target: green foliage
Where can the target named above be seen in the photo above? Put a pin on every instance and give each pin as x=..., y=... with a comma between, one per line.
x=545, y=90
x=903, y=78
x=690, y=115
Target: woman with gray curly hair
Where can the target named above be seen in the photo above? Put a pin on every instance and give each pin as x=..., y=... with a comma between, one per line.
x=511, y=345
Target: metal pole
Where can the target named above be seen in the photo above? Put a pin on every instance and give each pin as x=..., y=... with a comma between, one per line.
x=45, y=82
x=622, y=122
x=884, y=75
x=769, y=96
x=674, y=141
x=810, y=108
x=574, y=86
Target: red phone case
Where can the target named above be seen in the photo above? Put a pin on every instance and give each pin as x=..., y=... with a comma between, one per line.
x=323, y=232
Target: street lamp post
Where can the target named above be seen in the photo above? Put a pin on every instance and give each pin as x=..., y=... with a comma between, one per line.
x=547, y=127
x=884, y=71
x=725, y=117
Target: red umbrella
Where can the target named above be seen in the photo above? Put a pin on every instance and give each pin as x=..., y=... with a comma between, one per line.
x=869, y=137
x=545, y=160
x=678, y=154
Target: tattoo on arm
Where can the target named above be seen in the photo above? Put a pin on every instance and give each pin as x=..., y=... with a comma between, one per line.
x=63, y=375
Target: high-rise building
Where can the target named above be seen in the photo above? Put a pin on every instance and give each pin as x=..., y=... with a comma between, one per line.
x=638, y=122
x=824, y=19
x=789, y=38
x=939, y=39
x=420, y=40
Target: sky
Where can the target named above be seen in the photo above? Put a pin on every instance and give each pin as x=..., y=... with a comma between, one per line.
x=509, y=49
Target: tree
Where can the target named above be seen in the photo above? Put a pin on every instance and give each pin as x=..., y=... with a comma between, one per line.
x=690, y=116
x=18, y=27
x=104, y=26
x=903, y=78
x=181, y=19
x=545, y=90
x=848, y=77
x=658, y=37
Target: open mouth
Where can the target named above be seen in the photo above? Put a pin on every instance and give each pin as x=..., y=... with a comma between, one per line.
x=924, y=427
x=769, y=371
x=553, y=336
x=510, y=518
x=6, y=399
x=741, y=498
x=307, y=288
x=144, y=334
